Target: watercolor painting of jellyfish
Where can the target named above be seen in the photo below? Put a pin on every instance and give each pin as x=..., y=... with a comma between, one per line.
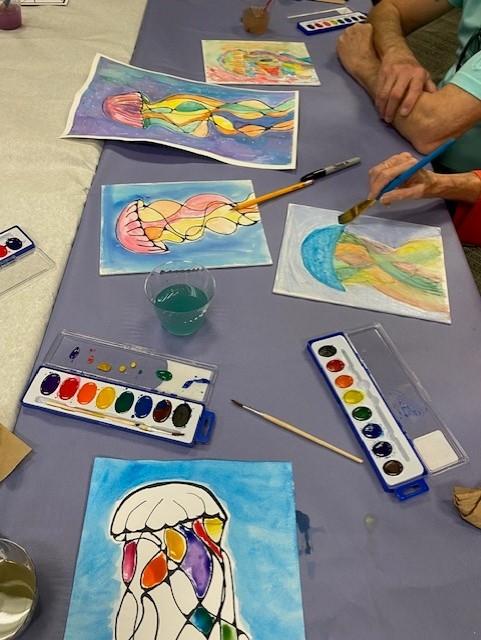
x=383, y=265
x=174, y=550
x=248, y=62
x=144, y=224
x=246, y=127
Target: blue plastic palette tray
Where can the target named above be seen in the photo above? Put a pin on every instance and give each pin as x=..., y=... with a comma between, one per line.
x=14, y=243
x=323, y=25
x=383, y=402
x=102, y=402
x=20, y=259
x=125, y=386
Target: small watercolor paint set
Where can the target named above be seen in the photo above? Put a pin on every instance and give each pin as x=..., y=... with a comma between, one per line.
x=332, y=23
x=20, y=259
x=13, y=243
x=386, y=408
x=125, y=386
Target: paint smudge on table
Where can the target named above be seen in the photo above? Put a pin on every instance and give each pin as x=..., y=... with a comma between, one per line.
x=304, y=526
x=188, y=383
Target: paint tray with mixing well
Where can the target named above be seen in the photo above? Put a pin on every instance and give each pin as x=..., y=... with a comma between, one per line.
x=20, y=259
x=387, y=408
x=125, y=386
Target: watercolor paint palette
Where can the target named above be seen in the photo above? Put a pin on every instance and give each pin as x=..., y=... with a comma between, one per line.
x=384, y=402
x=322, y=25
x=20, y=259
x=132, y=365
x=125, y=386
x=125, y=407
x=14, y=243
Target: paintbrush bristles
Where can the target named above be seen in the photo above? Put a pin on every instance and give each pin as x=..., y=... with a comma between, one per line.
x=355, y=211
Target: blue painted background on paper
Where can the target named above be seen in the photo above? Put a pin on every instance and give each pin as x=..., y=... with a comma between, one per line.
x=260, y=537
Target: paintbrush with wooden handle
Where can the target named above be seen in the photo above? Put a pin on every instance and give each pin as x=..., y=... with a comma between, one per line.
x=305, y=181
x=299, y=432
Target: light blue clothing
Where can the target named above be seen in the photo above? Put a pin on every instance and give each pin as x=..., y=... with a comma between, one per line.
x=465, y=155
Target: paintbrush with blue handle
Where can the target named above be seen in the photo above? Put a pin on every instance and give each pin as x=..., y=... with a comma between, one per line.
x=355, y=211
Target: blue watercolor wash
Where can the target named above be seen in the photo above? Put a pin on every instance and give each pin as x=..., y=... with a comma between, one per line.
x=317, y=252
x=260, y=537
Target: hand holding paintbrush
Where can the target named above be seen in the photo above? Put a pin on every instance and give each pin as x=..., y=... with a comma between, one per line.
x=359, y=208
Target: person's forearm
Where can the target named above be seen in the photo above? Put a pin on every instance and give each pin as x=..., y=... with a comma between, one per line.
x=425, y=127
x=388, y=30
x=393, y=20
x=465, y=187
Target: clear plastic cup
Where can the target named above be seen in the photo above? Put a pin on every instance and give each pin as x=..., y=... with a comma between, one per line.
x=181, y=293
x=255, y=19
x=18, y=589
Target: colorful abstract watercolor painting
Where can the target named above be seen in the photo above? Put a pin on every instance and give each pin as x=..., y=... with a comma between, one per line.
x=143, y=224
x=174, y=550
x=246, y=127
x=248, y=62
x=384, y=265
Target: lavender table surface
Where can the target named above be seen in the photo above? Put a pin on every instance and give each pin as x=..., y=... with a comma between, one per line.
x=370, y=567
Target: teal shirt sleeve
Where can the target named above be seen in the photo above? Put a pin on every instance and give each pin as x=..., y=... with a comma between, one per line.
x=456, y=3
x=469, y=76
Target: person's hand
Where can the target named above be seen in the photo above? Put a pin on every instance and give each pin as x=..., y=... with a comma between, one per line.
x=419, y=186
x=355, y=47
x=401, y=81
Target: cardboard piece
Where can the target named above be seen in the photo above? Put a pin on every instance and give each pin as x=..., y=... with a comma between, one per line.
x=12, y=452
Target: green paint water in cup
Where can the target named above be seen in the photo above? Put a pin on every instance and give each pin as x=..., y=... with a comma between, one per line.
x=181, y=308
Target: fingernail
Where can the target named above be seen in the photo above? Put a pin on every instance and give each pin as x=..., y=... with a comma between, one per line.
x=404, y=112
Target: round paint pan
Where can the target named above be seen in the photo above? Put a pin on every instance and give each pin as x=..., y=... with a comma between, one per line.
x=18, y=590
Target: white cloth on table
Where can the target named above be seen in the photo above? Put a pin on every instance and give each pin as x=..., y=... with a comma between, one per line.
x=44, y=179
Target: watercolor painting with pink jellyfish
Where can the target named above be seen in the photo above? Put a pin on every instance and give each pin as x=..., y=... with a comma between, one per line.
x=258, y=62
x=145, y=224
x=384, y=265
x=245, y=127
x=175, y=550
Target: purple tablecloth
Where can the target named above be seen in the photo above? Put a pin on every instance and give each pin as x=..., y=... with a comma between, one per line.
x=373, y=568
